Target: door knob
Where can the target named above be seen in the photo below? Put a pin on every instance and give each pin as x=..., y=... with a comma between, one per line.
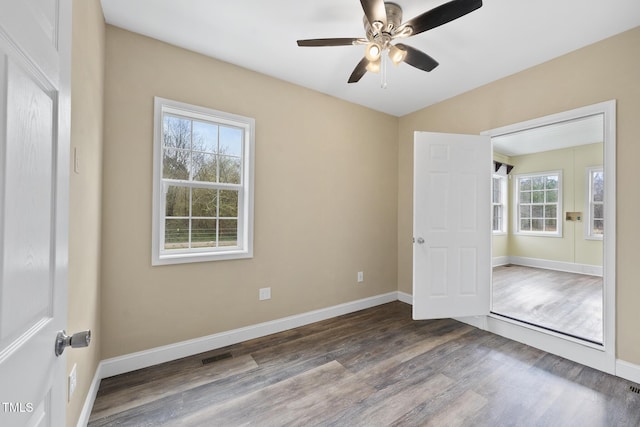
x=419, y=240
x=77, y=340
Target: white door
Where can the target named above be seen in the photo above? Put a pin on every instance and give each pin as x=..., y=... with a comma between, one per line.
x=451, y=225
x=34, y=168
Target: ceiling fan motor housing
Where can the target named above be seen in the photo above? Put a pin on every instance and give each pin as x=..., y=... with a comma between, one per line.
x=394, y=20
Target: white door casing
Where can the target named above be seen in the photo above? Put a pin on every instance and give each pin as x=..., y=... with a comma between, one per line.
x=601, y=357
x=451, y=225
x=35, y=43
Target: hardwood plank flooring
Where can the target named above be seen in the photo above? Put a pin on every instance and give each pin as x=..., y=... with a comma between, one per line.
x=375, y=367
x=565, y=302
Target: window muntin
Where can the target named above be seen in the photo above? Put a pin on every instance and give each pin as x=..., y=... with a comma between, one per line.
x=499, y=204
x=538, y=199
x=595, y=203
x=203, y=196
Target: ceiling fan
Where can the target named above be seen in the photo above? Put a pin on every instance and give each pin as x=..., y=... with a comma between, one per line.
x=383, y=25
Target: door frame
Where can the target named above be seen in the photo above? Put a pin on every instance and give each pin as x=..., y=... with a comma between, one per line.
x=601, y=357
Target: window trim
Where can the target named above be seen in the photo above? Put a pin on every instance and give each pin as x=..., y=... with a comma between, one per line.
x=516, y=201
x=588, y=229
x=504, y=203
x=245, y=197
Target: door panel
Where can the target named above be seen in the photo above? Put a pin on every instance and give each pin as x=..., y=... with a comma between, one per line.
x=34, y=152
x=452, y=225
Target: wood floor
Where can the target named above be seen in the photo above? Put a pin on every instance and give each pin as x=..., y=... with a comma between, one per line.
x=375, y=367
x=565, y=302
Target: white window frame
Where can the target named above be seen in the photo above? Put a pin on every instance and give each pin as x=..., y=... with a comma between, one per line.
x=502, y=177
x=244, y=249
x=516, y=202
x=589, y=205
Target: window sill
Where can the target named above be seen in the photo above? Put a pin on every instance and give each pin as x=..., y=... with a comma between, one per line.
x=185, y=258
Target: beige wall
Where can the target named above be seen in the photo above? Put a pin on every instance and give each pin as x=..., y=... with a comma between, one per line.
x=325, y=201
x=602, y=71
x=572, y=247
x=85, y=193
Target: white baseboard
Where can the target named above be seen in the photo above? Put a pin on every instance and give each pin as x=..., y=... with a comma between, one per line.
x=569, y=267
x=142, y=359
x=500, y=260
x=628, y=371
x=405, y=297
x=83, y=420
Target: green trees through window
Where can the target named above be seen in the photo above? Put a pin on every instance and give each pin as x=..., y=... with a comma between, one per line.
x=203, y=197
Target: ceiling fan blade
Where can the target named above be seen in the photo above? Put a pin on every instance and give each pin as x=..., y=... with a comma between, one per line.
x=374, y=10
x=327, y=42
x=417, y=58
x=441, y=15
x=359, y=71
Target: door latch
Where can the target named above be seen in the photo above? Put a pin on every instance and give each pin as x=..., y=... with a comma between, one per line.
x=77, y=340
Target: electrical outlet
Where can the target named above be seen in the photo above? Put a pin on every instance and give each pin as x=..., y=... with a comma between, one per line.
x=73, y=381
x=265, y=293
x=360, y=276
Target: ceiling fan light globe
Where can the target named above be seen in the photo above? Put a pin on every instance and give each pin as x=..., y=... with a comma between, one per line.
x=397, y=55
x=373, y=52
x=374, y=66
x=403, y=32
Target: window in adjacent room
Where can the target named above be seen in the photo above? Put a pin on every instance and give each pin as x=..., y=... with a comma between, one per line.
x=203, y=184
x=499, y=203
x=538, y=201
x=595, y=203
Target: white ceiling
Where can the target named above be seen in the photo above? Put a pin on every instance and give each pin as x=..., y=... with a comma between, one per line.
x=572, y=133
x=499, y=39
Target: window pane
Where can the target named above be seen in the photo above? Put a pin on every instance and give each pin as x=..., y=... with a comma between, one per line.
x=598, y=186
x=550, y=225
x=525, y=211
x=550, y=211
x=598, y=226
x=231, y=141
x=537, y=225
x=176, y=233
x=525, y=197
x=203, y=233
x=177, y=201
x=228, y=203
x=205, y=137
x=552, y=196
x=598, y=211
x=525, y=184
x=497, y=218
x=525, y=224
x=496, y=190
x=228, y=235
x=176, y=132
x=175, y=164
x=229, y=169
x=204, y=167
x=204, y=202
x=537, y=197
x=537, y=183
x=551, y=183
x=537, y=211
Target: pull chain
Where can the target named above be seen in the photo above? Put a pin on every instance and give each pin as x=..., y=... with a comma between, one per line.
x=383, y=72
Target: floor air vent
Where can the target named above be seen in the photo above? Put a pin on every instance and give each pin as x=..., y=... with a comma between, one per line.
x=634, y=389
x=216, y=358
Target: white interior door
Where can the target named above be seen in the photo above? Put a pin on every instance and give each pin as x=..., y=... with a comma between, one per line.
x=451, y=225
x=34, y=160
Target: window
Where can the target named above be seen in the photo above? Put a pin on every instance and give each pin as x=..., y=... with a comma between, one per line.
x=595, y=203
x=538, y=199
x=499, y=203
x=203, y=184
